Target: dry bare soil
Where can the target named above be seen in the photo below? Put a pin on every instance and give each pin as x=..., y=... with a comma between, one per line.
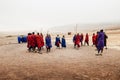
x=60, y=64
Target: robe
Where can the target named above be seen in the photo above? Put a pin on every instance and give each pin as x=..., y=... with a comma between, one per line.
x=42, y=40
x=48, y=42
x=29, y=42
x=33, y=41
x=39, y=41
x=87, y=38
x=105, y=39
x=19, y=39
x=100, y=45
x=77, y=41
x=24, y=39
x=93, y=39
x=74, y=38
x=63, y=42
x=96, y=40
x=57, y=42
x=81, y=38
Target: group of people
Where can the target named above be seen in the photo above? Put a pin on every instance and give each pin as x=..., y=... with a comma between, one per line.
x=99, y=40
x=62, y=42
x=77, y=39
x=37, y=41
x=22, y=39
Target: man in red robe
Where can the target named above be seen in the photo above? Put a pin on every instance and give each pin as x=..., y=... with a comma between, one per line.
x=81, y=39
x=39, y=42
x=42, y=40
x=77, y=41
x=33, y=41
x=29, y=45
x=96, y=39
x=93, y=39
x=87, y=39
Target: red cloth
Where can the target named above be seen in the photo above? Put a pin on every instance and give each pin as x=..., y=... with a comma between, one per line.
x=77, y=41
x=42, y=40
x=29, y=41
x=39, y=41
x=33, y=40
x=94, y=39
x=87, y=38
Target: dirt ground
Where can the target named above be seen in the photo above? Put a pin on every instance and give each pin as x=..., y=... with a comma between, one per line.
x=60, y=64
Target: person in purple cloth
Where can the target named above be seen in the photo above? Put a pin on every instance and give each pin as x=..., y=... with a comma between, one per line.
x=100, y=44
x=74, y=39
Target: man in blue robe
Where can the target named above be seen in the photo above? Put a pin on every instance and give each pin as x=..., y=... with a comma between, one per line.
x=63, y=42
x=19, y=39
x=57, y=41
x=48, y=43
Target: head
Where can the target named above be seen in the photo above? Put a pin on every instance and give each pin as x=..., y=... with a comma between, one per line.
x=29, y=33
x=41, y=34
x=37, y=33
x=101, y=30
x=33, y=33
x=49, y=36
x=97, y=32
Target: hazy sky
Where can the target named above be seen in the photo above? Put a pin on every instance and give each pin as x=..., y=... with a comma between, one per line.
x=42, y=14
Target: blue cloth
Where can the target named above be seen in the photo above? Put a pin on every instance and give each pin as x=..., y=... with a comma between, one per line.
x=57, y=41
x=74, y=38
x=19, y=39
x=63, y=42
x=100, y=40
x=48, y=42
x=24, y=39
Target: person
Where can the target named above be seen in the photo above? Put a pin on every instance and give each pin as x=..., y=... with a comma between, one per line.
x=48, y=42
x=42, y=40
x=81, y=39
x=19, y=39
x=100, y=45
x=33, y=41
x=105, y=40
x=77, y=40
x=93, y=39
x=96, y=39
x=63, y=44
x=57, y=41
x=74, y=40
x=39, y=42
x=86, y=39
x=29, y=45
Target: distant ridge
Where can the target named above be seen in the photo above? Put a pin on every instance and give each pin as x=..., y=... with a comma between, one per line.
x=82, y=27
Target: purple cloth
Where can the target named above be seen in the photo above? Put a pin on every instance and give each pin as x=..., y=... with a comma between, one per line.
x=100, y=40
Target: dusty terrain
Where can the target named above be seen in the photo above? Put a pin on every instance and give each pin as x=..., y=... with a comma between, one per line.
x=16, y=63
